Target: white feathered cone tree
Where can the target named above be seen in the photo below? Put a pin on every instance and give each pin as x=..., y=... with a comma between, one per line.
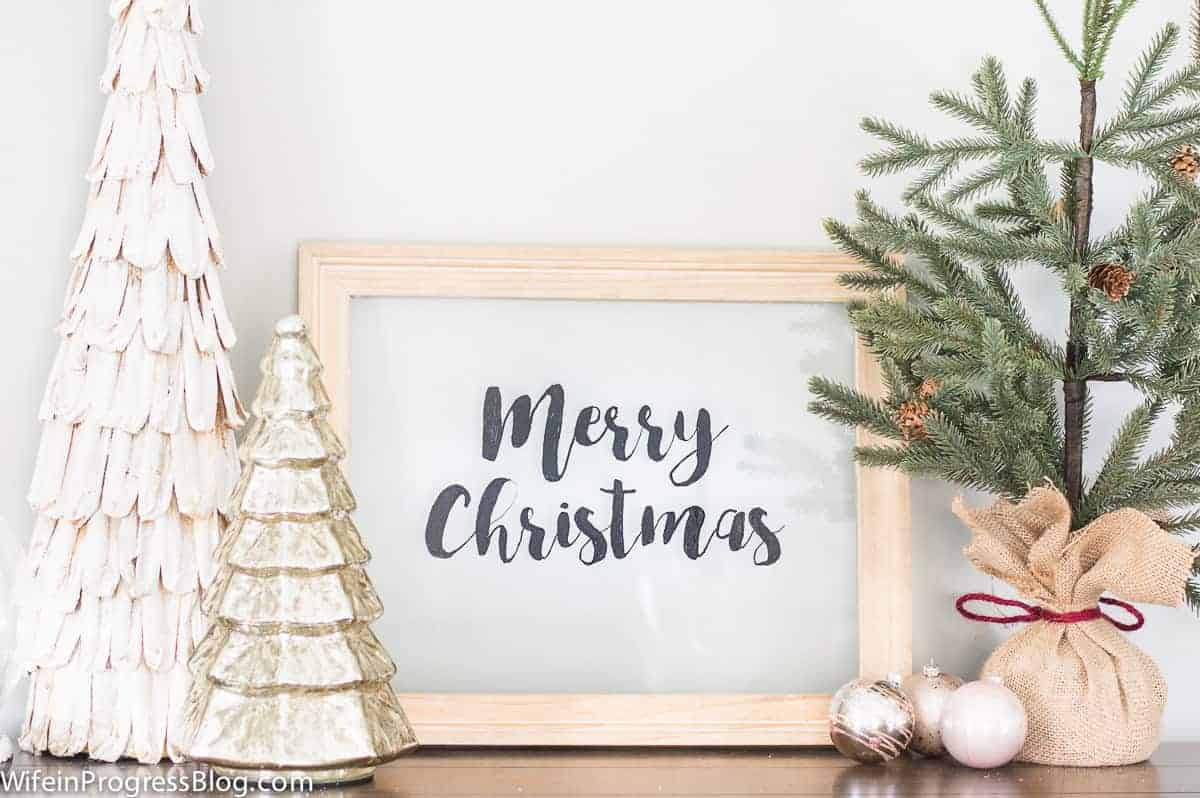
x=137, y=454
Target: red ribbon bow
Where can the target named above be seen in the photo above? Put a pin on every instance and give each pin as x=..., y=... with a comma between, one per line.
x=1035, y=613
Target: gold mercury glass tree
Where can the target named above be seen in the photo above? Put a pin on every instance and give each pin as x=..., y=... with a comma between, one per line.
x=290, y=676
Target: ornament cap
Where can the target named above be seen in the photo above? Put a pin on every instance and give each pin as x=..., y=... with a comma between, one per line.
x=291, y=325
x=931, y=671
x=893, y=679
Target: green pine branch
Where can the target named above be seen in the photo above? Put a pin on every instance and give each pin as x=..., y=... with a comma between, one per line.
x=852, y=408
x=1065, y=48
x=939, y=303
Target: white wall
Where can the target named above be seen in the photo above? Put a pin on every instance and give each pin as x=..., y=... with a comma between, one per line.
x=690, y=122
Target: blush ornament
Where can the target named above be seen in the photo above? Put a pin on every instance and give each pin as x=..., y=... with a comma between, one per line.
x=929, y=691
x=984, y=724
x=871, y=722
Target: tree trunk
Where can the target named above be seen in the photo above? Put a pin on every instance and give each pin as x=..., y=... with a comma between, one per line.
x=1075, y=388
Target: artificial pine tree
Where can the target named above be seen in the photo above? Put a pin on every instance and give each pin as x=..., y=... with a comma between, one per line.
x=290, y=676
x=973, y=390
x=137, y=452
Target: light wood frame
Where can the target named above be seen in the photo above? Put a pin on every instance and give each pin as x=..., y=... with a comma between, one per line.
x=333, y=273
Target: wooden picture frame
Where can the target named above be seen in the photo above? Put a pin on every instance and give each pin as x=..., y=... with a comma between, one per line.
x=331, y=274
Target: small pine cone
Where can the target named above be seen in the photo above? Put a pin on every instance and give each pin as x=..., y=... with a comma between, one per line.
x=929, y=386
x=1186, y=162
x=911, y=419
x=1111, y=278
x=1060, y=208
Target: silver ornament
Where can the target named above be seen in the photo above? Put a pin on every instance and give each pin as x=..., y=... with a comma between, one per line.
x=928, y=691
x=871, y=722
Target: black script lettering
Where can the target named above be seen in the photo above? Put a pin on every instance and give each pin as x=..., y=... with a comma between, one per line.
x=655, y=435
x=767, y=551
x=703, y=450
x=620, y=447
x=576, y=525
x=588, y=416
x=563, y=535
x=670, y=521
x=616, y=529
x=537, y=536
x=737, y=530
x=484, y=531
x=595, y=538
x=521, y=412
x=435, y=526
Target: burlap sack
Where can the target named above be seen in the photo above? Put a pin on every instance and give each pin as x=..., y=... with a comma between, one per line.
x=1093, y=697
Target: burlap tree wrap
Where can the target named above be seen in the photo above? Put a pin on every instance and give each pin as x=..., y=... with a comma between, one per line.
x=1093, y=697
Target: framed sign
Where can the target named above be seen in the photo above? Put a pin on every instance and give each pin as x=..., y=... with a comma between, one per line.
x=600, y=511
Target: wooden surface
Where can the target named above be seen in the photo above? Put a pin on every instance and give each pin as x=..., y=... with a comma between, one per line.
x=1175, y=770
x=581, y=719
x=331, y=274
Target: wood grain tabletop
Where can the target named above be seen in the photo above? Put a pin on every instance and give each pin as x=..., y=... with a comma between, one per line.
x=1174, y=770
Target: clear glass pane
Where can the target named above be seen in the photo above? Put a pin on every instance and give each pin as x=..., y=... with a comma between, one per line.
x=692, y=614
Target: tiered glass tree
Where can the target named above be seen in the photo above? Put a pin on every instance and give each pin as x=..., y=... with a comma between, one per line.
x=290, y=676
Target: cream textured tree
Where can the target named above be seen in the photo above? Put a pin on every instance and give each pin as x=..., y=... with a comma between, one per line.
x=290, y=676
x=137, y=454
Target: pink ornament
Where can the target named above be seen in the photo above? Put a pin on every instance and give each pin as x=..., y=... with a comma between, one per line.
x=984, y=724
